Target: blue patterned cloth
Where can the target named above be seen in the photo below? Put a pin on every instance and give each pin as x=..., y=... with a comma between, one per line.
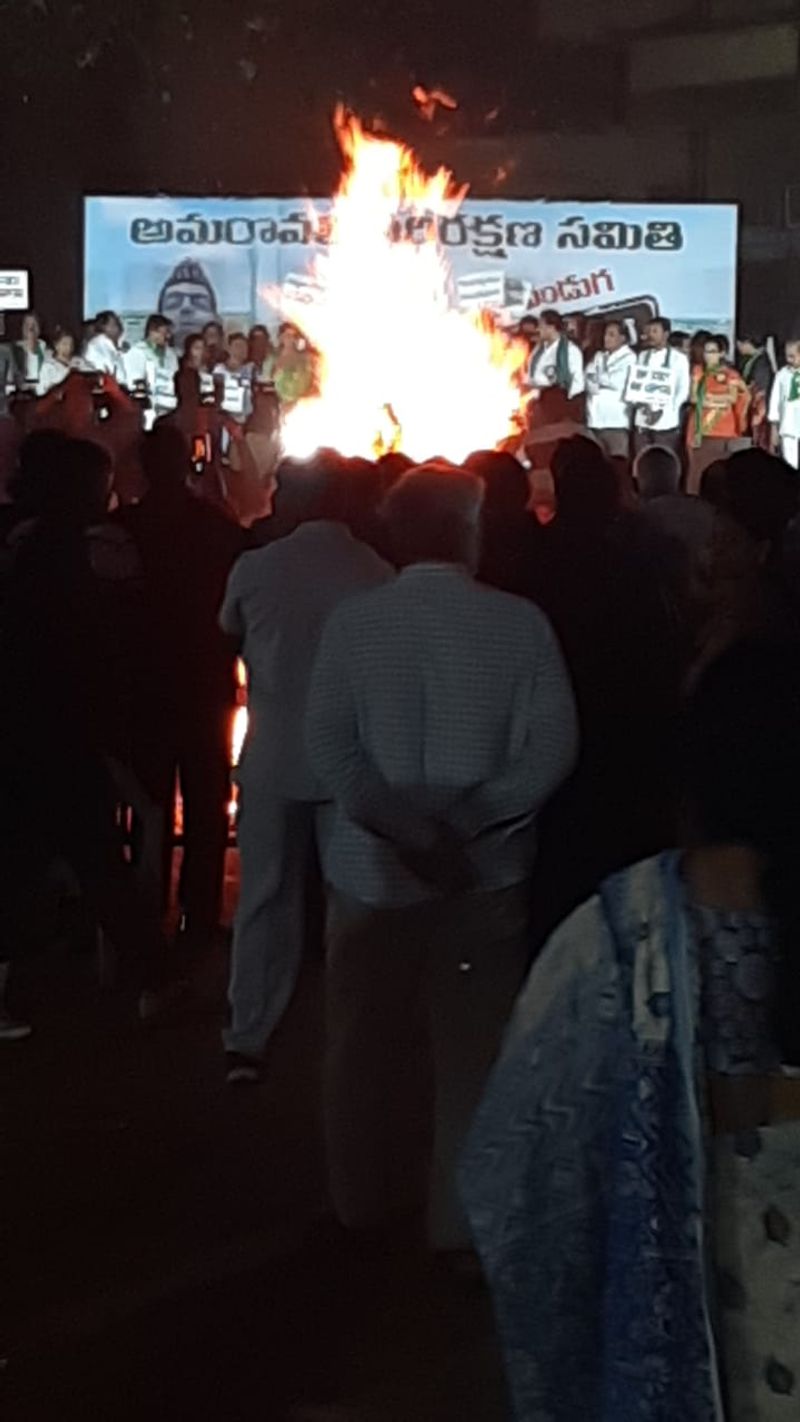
x=583, y=1176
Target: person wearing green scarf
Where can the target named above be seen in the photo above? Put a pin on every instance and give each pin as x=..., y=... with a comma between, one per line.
x=784, y=407
x=150, y=368
x=555, y=374
x=29, y=353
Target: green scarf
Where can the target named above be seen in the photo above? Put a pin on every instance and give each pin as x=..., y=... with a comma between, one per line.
x=563, y=374
x=794, y=388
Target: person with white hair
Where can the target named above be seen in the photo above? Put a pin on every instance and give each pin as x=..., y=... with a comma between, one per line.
x=440, y=721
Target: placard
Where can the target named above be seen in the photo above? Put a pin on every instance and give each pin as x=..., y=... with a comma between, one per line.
x=14, y=289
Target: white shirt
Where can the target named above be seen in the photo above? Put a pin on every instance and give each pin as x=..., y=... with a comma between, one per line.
x=237, y=393
x=277, y=601
x=101, y=354
x=156, y=369
x=52, y=373
x=542, y=371
x=606, y=378
x=783, y=412
x=437, y=697
x=669, y=417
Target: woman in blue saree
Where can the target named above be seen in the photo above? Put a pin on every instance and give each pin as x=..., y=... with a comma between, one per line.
x=655, y=1021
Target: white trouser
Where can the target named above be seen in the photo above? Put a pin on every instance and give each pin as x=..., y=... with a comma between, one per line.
x=790, y=449
x=276, y=842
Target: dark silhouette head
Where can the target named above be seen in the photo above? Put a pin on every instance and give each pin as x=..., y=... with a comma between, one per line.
x=507, y=489
x=39, y=470
x=586, y=487
x=392, y=467
x=165, y=461
x=657, y=471
x=310, y=489
x=433, y=514
x=80, y=497
x=761, y=494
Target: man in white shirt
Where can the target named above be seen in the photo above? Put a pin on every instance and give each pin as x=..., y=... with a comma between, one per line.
x=440, y=719
x=276, y=604
x=102, y=351
x=607, y=413
x=236, y=377
x=660, y=420
x=151, y=366
x=784, y=407
x=555, y=374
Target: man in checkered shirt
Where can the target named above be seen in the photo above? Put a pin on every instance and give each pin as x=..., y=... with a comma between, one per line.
x=440, y=720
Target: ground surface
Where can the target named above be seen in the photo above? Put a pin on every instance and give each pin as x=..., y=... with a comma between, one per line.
x=160, y=1254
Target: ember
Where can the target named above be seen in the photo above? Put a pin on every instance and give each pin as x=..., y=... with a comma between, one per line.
x=401, y=366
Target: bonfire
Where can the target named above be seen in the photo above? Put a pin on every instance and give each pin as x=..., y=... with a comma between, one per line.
x=401, y=367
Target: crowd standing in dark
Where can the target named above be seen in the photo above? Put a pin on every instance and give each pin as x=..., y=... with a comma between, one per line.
x=539, y=709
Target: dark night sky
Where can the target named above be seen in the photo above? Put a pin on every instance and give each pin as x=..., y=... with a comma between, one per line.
x=228, y=96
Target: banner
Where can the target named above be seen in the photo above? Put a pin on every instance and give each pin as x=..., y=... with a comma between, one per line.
x=199, y=258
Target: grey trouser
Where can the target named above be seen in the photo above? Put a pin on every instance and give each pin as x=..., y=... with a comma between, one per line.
x=616, y=443
x=276, y=850
x=417, y=1001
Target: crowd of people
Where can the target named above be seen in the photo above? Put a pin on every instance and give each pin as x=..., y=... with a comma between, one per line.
x=486, y=731
x=225, y=391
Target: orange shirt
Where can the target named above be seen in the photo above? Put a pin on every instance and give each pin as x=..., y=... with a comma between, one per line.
x=721, y=401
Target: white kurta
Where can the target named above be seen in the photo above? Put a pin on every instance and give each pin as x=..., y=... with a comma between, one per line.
x=606, y=379
x=669, y=417
x=52, y=373
x=784, y=412
x=156, y=370
x=101, y=354
x=542, y=371
x=237, y=394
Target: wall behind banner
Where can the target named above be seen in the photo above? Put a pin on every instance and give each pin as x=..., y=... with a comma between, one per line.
x=198, y=258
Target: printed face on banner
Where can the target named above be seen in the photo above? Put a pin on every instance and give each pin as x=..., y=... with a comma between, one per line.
x=199, y=259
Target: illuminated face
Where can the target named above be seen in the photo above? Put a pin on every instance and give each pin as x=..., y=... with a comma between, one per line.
x=31, y=330
x=188, y=305
x=195, y=353
x=213, y=336
x=613, y=339
x=64, y=348
x=712, y=355
x=793, y=354
x=655, y=335
x=113, y=329
x=158, y=336
x=238, y=352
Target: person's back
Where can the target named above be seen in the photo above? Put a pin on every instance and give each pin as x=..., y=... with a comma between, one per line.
x=440, y=719
x=276, y=604
x=60, y=623
x=283, y=595
x=187, y=548
x=509, y=541
x=445, y=674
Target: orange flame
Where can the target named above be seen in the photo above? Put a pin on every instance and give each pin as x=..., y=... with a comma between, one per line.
x=400, y=366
